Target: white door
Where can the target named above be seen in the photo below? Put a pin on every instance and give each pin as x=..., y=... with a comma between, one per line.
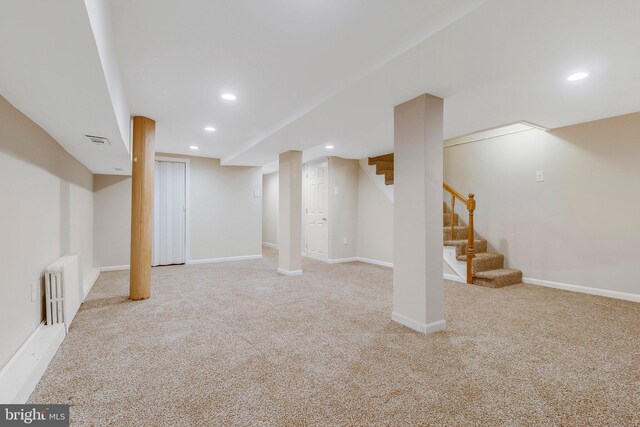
x=317, y=211
x=169, y=214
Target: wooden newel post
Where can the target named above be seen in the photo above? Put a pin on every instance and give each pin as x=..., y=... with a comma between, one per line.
x=142, y=207
x=471, y=206
x=453, y=215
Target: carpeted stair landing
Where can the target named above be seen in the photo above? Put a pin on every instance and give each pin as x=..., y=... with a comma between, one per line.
x=487, y=267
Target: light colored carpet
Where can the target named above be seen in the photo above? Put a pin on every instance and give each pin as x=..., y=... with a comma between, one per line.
x=237, y=344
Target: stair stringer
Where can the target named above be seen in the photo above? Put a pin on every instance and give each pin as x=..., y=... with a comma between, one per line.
x=378, y=180
x=459, y=267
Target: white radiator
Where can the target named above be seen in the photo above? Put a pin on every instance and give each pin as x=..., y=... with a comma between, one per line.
x=63, y=287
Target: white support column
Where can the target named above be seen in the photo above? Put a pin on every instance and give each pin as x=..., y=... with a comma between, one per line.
x=418, y=288
x=290, y=213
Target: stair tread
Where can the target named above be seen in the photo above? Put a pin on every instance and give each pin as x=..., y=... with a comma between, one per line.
x=457, y=242
x=500, y=272
x=482, y=255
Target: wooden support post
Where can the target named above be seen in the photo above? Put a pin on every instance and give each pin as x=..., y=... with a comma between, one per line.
x=290, y=213
x=142, y=207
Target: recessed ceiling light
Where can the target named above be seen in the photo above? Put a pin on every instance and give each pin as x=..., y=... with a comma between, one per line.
x=228, y=96
x=210, y=129
x=194, y=147
x=578, y=76
x=329, y=147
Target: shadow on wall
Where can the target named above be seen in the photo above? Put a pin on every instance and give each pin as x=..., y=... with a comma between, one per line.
x=22, y=140
x=107, y=181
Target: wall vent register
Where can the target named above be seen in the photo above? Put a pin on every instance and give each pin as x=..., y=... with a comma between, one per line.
x=98, y=140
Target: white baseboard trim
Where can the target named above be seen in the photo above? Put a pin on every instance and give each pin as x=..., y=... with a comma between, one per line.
x=21, y=374
x=224, y=259
x=375, y=262
x=454, y=278
x=424, y=328
x=583, y=289
x=89, y=281
x=269, y=245
x=365, y=260
x=115, y=268
x=342, y=260
x=290, y=273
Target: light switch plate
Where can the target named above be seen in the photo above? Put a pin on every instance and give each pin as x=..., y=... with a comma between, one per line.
x=539, y=176
x=344, y=241
x=256, y=193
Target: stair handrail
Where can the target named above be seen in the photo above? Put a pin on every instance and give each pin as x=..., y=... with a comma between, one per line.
x=470, y=203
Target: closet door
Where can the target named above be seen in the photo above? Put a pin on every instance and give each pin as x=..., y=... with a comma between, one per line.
x=169, y=213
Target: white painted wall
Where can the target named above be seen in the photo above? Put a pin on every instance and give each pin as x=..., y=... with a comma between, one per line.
x=225, y=214
x=270, y=209
x=375, y=221
x=46, y=211
x=579, y=226
x=343, y=208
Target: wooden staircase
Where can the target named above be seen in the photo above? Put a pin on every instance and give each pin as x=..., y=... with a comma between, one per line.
x=483, y=268
x=384, y=166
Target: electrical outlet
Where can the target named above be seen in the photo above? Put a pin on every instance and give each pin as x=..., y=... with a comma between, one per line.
x=539, y=176
x=344, y=241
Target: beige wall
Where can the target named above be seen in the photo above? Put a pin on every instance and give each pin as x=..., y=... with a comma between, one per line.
x=375, y=221
x=112, y=219
x=270, y=208
x=343, y=207
x=579, y=226
x=46, y=211
x=225, y=214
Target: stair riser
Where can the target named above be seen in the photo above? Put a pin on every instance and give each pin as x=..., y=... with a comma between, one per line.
x=507, y=280
x=479, y=247
x=446, y=219
x=459, y=233
x=486, y=264
x=382, y=167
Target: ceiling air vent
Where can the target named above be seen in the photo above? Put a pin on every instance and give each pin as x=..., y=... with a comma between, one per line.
x=98, y=140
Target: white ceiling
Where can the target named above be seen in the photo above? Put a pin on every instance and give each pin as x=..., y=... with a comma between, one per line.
x=281, y=58
x=505, y=62
x=308, y=72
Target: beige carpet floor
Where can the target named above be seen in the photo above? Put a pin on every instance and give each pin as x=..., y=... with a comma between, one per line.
x=237, y=344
